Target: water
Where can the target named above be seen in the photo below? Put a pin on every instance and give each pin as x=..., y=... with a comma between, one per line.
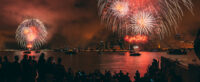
x=90, y=61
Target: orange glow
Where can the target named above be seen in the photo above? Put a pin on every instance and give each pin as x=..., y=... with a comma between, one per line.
x=26, y=31
x=30, y=33
x=136, y=39
x=29, y=46
x=119, y=7
x=31, y=37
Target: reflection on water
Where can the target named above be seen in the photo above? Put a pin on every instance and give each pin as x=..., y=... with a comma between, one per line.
x=91, y=61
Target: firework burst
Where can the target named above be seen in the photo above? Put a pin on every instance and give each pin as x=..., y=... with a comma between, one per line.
x=160, y=16
x=119, y=9
x=31, y=33
x=136, y=39
x=142, y=23
x=114, y=13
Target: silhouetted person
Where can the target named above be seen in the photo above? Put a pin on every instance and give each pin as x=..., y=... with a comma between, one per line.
x=34, y=62
x=6, y=69
x=41, y=68
x=121, y=75
x=1, y=72
x=197, y=44
x=108, y=76
x=125, y=78
x=30, y=59
x=59, y=71
x=49, y=68
x=34, y=65
x=50, y=65
x=26, y=69
x=137, y=76
x=155, y=65
x=16, y=70
x=115, y=76
x=32, y=70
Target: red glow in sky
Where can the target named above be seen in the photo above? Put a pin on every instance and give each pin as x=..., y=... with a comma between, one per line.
x=136, y=39
x=147, y=5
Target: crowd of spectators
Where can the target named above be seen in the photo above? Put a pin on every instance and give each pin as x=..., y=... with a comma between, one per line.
x=30, y=70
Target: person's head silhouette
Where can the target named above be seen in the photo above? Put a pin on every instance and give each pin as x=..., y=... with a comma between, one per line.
x=50, y=60
x=16, y=58
x=25, y=57
x=42, y=56
x=30, y=58
x=5, y=58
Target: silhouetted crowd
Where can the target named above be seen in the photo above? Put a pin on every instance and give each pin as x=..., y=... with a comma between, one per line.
x=153, y=74
x=30, y=70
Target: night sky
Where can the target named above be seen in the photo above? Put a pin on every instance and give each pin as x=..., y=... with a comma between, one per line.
x=70, y=22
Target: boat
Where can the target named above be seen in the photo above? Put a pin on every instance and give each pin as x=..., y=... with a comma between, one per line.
x=135, y=54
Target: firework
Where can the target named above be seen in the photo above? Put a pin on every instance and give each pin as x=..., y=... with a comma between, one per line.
x=119, y=8
x=114, y=13
x=31, y=33
x=160, y=16
x=136, y=39
x=142, y=23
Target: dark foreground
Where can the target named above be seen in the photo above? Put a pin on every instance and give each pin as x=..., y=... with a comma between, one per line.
x=30, y=70
x=92, y=67
x=90, y=61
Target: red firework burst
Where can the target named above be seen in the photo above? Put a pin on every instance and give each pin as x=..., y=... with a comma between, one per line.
x=136, y=39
